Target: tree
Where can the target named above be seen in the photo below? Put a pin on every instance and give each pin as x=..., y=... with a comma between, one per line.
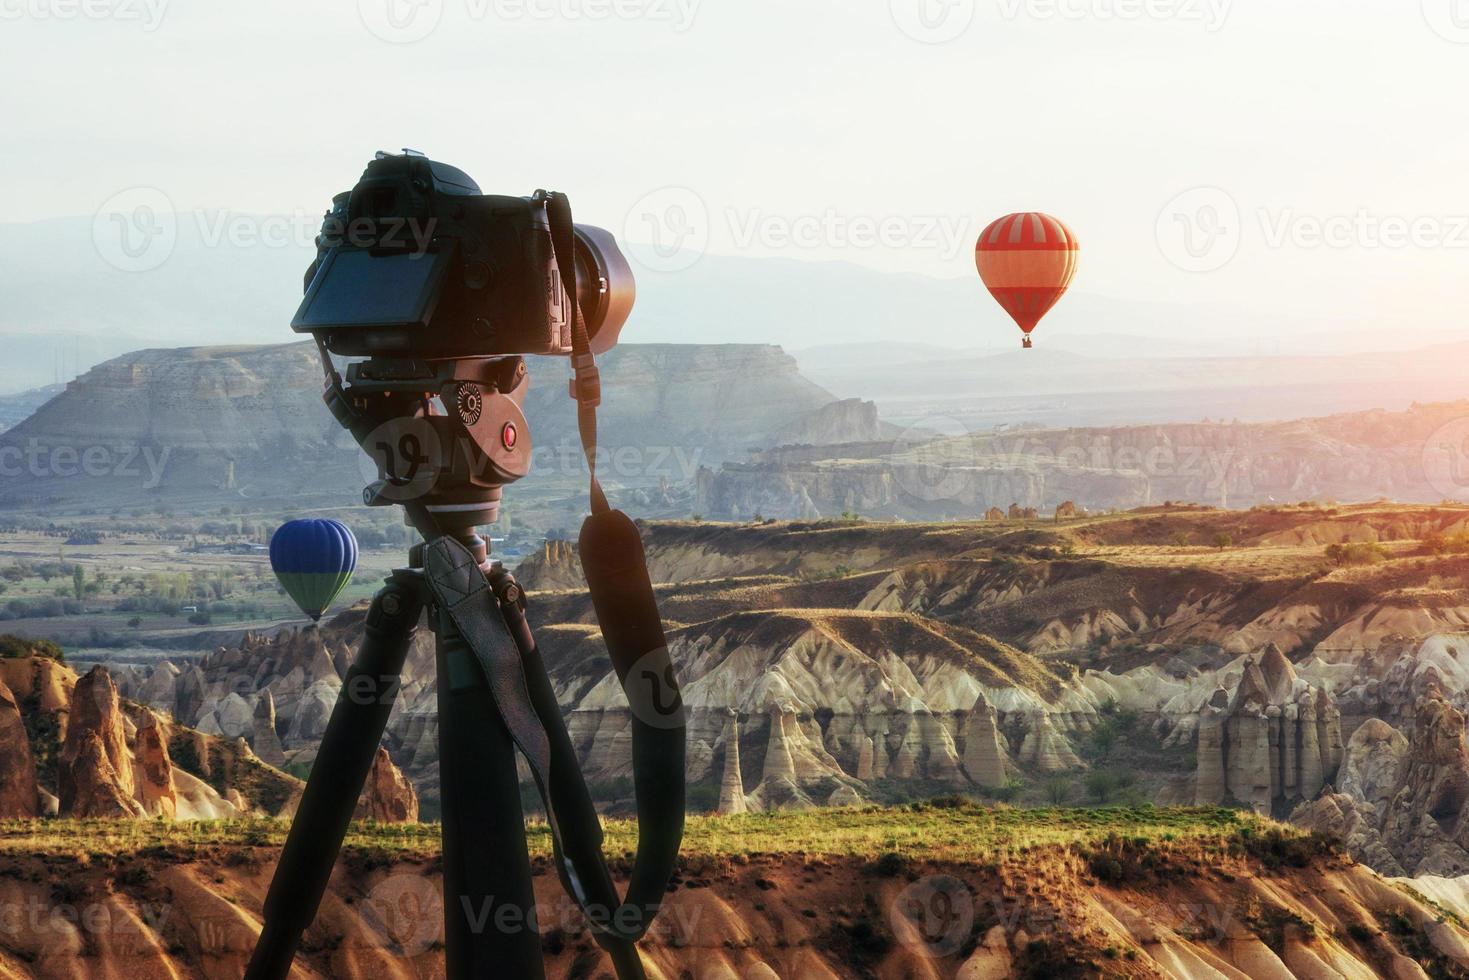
x=1223, y=540
x=78, y=581
x=1058, y=788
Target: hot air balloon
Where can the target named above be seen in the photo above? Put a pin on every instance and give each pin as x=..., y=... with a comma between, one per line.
x=1027, y=261
x=314, y=560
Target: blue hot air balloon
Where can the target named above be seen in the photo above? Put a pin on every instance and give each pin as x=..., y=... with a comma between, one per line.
x=314, y=560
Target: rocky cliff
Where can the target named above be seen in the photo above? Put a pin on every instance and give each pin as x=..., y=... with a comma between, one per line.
x=920, y=475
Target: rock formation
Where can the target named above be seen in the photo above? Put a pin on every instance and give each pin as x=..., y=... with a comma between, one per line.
x=387, y=796
x=1275, y=742
x=114, y=758
x=264, y=740
x=1066, y=511
x=95, y=768
x=732, y=784
x=18, y=792
x=984, y=753
x=1403, y=801
x=153, y=769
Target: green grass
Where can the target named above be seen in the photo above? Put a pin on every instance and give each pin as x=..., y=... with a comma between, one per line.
x=957, y=832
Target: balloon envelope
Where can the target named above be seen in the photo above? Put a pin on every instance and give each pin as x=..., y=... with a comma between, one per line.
x=1027, y=261
x=314, y=560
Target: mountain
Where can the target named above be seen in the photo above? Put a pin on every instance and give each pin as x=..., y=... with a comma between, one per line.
x=205, y=425
x=1411, y=455
x=16, y=408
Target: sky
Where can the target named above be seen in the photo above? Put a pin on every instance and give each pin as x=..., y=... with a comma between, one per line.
x=1302, y=158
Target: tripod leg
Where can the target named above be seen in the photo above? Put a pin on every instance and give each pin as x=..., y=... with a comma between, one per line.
x=346, y=753
x=488, y=898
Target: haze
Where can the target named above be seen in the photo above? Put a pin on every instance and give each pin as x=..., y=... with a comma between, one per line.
x=813, y=131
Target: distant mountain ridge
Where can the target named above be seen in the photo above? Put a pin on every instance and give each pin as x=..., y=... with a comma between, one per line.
x=212, y=423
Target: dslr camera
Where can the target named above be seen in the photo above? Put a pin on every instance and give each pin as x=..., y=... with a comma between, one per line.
x=416, y=262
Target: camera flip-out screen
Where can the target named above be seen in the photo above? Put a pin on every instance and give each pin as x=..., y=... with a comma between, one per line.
x=355, y=288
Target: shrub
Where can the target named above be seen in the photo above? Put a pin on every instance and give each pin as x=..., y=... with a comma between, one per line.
x=1358, y=553
x=14, y=647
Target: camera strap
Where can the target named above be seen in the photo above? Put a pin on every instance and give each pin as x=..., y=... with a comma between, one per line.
x=616, y=569
x=586, y=382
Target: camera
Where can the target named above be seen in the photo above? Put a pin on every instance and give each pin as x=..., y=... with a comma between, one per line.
x=415, y=261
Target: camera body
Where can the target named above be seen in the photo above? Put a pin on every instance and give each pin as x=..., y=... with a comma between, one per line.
x=415, y=262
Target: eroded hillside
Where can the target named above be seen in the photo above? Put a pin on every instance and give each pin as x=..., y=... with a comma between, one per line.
x=926, y=892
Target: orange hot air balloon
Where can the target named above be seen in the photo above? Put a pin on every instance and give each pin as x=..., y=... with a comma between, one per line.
x=1027, y=261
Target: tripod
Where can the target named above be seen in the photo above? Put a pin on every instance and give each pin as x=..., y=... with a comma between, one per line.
x=486, y=863
x=494, y=696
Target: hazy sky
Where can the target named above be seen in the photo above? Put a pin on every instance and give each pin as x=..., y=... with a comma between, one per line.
x=883, y=133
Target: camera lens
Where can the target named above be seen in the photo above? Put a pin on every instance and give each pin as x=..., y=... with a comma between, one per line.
x=605, y=288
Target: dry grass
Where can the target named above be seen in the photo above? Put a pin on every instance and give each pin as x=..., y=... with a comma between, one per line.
x=953, y=831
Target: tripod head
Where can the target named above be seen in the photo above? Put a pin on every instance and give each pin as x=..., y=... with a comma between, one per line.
x=446, y=436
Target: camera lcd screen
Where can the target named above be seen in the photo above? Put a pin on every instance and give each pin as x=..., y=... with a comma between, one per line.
x=354, y=288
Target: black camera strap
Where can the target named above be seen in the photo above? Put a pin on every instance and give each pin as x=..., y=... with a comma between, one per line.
x=616, y=570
